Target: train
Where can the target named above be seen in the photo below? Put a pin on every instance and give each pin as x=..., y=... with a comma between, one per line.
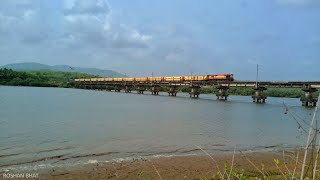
x=215, y=77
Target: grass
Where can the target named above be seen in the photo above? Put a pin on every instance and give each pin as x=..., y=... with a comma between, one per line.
x=246, y=91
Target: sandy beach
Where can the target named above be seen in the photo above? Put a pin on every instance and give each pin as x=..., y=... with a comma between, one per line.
x=249, y=165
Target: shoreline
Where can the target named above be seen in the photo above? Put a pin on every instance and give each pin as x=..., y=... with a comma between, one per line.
x=45, y=165
x=249, y=164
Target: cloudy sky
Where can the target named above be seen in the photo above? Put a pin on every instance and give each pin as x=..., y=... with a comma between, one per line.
x=167, y=37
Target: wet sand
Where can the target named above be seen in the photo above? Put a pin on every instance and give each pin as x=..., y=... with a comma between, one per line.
x=250, y=165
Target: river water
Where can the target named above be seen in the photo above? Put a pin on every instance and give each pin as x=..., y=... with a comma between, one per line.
x=53, y=127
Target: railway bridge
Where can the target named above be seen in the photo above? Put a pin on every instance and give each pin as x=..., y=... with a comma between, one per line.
x=154, y=86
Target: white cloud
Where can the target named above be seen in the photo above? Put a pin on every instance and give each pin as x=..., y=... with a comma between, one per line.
x=84, y=22
x=90, y=22
x=85, y=6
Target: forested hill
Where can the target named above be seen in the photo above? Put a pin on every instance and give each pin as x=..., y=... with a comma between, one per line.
x=30, y=66
x=39, y=78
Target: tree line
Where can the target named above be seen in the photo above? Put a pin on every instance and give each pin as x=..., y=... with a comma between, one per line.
x=39, y=78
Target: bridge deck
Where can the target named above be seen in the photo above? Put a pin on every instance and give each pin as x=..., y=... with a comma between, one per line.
x=290, y=84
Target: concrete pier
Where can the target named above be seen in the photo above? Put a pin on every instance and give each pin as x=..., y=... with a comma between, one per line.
x=141, y=89
x=109, y=88
x=128, y=88
x=155, y=89
x=173, y=91
x=309, y=98
x=195, y=91
x=259, y=96
x=117, y=88
x=222, y=93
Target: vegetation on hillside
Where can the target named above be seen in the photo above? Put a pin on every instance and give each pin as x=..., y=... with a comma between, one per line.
x=39, y=78
x=30, y=66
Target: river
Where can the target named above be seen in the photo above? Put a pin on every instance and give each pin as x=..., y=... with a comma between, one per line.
x=54, y=127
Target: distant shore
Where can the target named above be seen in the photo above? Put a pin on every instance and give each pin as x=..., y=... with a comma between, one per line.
x=274, y=165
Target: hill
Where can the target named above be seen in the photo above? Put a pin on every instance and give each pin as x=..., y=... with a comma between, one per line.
x=30, y=66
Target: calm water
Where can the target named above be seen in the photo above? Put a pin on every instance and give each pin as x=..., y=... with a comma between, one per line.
x=51, y=127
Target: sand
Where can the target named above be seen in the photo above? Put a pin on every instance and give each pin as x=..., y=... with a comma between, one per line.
x=251, y=165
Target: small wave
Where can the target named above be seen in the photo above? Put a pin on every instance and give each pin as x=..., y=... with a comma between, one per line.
x=34, y=161
x=6, y=148
x=218, y=144
x=45, y=142
x=119, y=160
x=91, y=161
x=270, y=146
x=88, y=155
x=8, y=155
x=56, y=149
x=190, y=150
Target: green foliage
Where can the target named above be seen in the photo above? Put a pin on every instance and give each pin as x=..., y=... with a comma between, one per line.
x=207, y=90
x=284, y=92
x=164, y=89
x=248, y=91
x=184, y=89
x=39, y=78
x=276, y=161
x=242, y=91
x=30, y=66
x=234, y=174
x=142, y=176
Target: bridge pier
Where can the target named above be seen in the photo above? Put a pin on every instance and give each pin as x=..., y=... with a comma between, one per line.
x=195, y=91
x=309, y=98
x=259, y=96
x=109, y=88
x=117, y=88
x=100, y=87
x=173, y=91
x=155, y=89
x=128, y=88
x=141, y=89
x=222, y=92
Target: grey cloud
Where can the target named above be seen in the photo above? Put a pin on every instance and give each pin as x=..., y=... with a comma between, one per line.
x=21, y=20
x=32, y=27
x=97, y=29
x=84, y=22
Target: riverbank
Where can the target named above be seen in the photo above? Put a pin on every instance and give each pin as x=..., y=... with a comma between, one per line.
x=274, y=165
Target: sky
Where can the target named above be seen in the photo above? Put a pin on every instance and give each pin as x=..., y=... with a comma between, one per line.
x=166, y=37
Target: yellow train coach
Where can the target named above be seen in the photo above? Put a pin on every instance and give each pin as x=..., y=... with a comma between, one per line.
x=216, y=77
